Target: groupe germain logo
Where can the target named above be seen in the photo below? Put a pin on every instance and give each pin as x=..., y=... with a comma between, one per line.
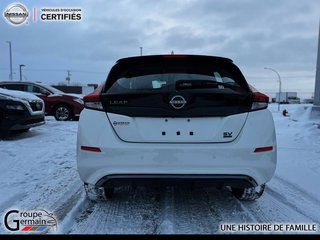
x=16, y=14
x=178, y=102
x=34, y=221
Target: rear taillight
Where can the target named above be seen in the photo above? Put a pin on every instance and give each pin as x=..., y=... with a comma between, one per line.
x=260, y=101
x=92, y=101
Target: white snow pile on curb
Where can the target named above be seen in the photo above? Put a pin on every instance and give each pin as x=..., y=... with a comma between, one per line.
x=309, y=114
x=302, y=113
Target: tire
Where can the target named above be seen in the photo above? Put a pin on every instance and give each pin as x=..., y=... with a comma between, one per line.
x=62, y=112
x=248, y=194
x=76, y=118
x=108, y=193
x=98, y=194
x=4, y=134
x=21, y=131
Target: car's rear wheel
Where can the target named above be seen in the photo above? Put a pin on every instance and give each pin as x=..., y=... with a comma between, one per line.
x=248, y=194
x=96, y=194
x=108, y=193
x=76, y=118
x=62, y=112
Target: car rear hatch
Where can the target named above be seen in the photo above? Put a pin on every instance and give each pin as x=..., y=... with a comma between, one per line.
x=176, y=99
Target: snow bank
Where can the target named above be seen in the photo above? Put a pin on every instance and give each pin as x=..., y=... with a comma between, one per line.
x=302, y=113
x=307, y=114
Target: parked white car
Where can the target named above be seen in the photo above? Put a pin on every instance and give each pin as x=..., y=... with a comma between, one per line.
x=176, y=119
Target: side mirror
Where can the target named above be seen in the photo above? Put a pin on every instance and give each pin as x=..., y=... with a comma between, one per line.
x=44, y=92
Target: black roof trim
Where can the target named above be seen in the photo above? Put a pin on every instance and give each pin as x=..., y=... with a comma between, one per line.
x=153, y=57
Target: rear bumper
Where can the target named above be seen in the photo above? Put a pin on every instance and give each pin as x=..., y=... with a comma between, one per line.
x=183, y=162
x=120, y=162
x=181, y=180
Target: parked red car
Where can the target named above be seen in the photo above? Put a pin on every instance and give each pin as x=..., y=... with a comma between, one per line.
x=63, y=106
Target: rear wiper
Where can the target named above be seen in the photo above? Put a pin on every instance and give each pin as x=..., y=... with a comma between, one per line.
x=196, y=84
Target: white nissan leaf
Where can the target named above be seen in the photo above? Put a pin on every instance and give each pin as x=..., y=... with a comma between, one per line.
x=176, y=119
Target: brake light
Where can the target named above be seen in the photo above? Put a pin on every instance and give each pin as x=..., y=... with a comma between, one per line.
x=263, y=149
x=92, y=101
x=174, y=56
x=260, y=101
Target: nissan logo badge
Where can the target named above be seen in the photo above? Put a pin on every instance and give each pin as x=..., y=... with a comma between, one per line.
x=178, y=102
x=16, y=14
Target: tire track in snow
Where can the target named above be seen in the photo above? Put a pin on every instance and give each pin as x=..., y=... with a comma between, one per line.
x=270, y=209
x=166, y=226
x=80, y=212
x=297, y=198
x=179, y=211
x=229, y=207
x=66, y=204
x=206, y=218
x=293, y=207
x=203, y=210
x=193, y=213
x=297, y=190
x=187, y=221
x=129, y=211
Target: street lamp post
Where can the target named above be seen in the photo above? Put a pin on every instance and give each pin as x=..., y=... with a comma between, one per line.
x=317, y=85
x=20, y=66
x=271, y=69
x=10, y=58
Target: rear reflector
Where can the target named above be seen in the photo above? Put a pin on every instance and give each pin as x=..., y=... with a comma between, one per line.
x=264, y=149
x=90, y=149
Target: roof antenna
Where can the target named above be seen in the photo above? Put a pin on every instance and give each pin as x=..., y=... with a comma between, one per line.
x=172, y=52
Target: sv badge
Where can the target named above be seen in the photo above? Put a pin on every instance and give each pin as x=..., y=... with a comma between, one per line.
x=227, y=134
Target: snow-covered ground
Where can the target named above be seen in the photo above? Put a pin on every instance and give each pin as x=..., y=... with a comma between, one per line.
x=38, y=171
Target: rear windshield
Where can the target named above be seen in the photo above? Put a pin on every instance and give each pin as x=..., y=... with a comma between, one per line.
x=176, y=75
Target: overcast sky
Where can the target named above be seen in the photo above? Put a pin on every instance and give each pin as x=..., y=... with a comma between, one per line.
x=282, y=34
